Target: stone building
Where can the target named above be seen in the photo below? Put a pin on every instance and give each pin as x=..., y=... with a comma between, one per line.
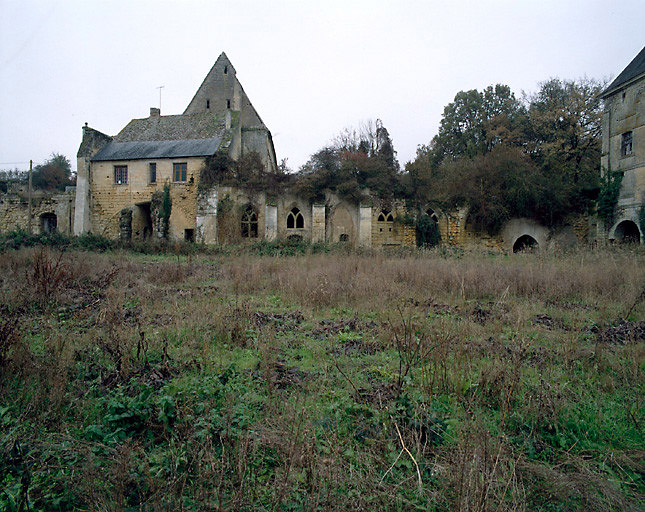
x=120, y=179
x=623, y=148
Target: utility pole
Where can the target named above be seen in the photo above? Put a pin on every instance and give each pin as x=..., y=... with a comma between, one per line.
x=160, y=87
x=29, y=196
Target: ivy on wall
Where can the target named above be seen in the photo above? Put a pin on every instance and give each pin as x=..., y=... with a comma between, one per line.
x=608, y=197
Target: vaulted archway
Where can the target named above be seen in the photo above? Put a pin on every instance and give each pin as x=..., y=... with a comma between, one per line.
x=627, y=232
x=525, y=243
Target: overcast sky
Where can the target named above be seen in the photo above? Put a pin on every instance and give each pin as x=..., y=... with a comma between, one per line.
x=309, y=68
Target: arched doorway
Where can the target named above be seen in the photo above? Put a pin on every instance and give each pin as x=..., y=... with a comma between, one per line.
x=48, y=223
x=627, y=232
x=525, y=243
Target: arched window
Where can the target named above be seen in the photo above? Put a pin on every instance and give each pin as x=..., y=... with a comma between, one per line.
x=249, y=223
x=295, y=220
x=385, y=220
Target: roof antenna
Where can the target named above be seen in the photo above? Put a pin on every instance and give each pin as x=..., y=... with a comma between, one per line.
x=160, y=87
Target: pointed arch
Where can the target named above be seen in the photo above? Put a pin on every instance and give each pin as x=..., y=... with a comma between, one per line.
x=249, y=222
x=295, y=219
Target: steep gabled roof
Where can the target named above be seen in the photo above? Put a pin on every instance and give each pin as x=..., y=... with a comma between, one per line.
x=188, y=135
x=633, y=70
x=187, y=126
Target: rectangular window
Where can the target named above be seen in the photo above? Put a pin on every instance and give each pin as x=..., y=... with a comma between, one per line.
x=179, y=171
x=120, y=174
x=626, y=144
x=153, y=173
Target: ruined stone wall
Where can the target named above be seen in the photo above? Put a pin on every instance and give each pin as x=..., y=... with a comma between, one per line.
x=14, y=211
x=232, y=203
x=109, y=198
x=395, y=233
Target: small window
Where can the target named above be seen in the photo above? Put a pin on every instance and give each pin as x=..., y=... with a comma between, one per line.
x=179, y=171
x=153, y=172
x=225, y=70
x=120, y=174
x=249, y=223
x=208, y=103
x=189, y=235
x=295, y=220
x=228, y=103
x=626, y=144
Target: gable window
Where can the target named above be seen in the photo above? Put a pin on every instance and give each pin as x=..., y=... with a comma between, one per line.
x=225, y=70
x=120, y=174
x=385, y=221
x=626, y=144
x=153, y=172
x=249, y=223
x=295, y=220
x=179, y=171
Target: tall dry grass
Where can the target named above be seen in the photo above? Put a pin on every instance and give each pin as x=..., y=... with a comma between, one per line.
x=374, y=280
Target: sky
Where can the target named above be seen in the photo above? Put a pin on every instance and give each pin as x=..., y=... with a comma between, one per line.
x=310, y=68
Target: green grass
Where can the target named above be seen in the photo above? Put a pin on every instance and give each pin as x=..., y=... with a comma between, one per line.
x=323, y=381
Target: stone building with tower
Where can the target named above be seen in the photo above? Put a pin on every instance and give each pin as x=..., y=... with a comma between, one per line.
x=120, y=179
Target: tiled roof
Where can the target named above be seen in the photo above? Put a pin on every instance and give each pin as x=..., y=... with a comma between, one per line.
x=149, y=149
x=635, y=68
x=204, y=125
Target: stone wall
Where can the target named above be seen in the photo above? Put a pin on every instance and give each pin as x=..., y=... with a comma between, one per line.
x=107, y=198
x=14, y=211
x=625, y=112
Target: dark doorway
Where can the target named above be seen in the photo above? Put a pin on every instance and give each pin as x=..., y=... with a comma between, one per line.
x=525, y=243
x=142, y=221
x=627, y=232
x=48, y=223
x=189, y=235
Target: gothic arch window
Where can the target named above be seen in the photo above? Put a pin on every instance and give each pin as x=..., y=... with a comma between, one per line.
x=385, y=220
x=295, y=220
x=249, y=223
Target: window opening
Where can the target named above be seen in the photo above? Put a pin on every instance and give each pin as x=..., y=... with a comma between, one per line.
x=626, y=144
x=120, y=174
x=295, y=220
x=208, y=103
x=228, y=103
x=153, y=173
x=48, y=222
x=189, y=235
x=249, y=223
x=225, y=70
x=344, y=237
x=180, y=171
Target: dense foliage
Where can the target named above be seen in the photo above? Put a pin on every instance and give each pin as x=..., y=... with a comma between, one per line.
x=502, y=157
x=54, y=174
x=357, y=161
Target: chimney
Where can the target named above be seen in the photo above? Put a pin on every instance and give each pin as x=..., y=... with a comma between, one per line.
x=155, y=112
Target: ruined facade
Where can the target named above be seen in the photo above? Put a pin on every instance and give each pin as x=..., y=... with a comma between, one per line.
x=50, y=211
x=623, y=149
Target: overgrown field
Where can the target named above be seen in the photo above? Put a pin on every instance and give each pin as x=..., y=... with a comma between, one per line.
x=336, y=381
